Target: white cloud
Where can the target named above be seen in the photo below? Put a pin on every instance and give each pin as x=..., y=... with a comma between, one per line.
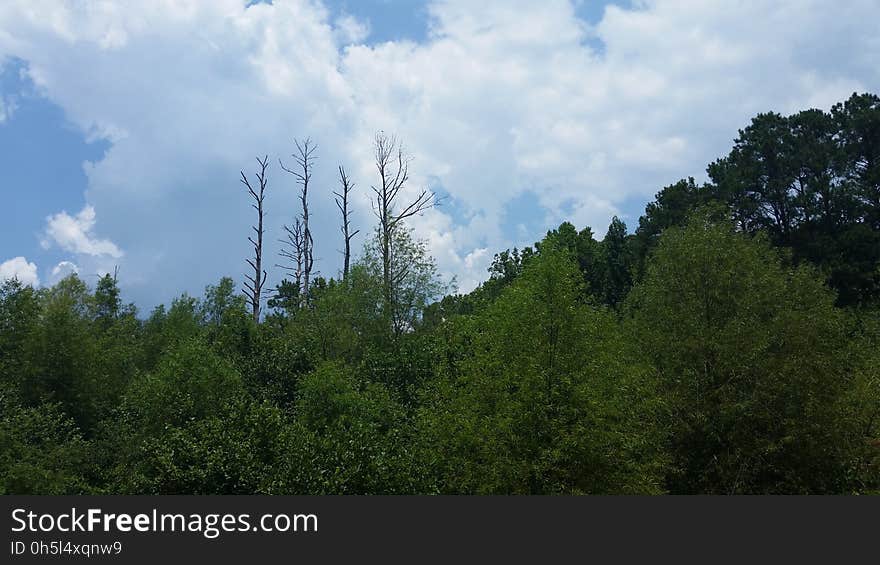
x=19, y=268
x=350, y=30
x=74, y=234
x=63, y=269
x=504, y=98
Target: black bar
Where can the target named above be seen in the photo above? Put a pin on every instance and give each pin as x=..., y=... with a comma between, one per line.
x=411, y=529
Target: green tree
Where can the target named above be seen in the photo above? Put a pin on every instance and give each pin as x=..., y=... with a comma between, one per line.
x=751, y=355
x=414, y=281
x=62, y=353
x=542, y=400
x=670, y=207
x=107, y=303
x=360, y=434
x=41, y=449
x=618, y=264
x=167, y=437
x=20, y=310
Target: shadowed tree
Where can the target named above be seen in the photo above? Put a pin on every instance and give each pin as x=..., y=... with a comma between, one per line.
x=618, y=278
x=342, y=204
x=752, y=360
x=254, y=283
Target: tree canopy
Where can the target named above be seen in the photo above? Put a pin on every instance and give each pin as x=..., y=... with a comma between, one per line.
x=728, y=345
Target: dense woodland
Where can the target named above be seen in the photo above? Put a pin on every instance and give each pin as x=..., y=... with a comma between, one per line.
x=731, y=344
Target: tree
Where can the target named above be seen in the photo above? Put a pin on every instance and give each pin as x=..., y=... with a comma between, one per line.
x=414, y=281
x=393, y=168
x=342, y=204
x=671, y=207
x=254, y=283
x=287, y=297
x=757, y=177
x=61, y=358
x=858, y=124
x=542, y=399
x=861, y=406
x=300, y=236
x=617, y=264
x=588, y=253
x=20, y=311
x=160, y=435
x=361, y=435
x=752, y=360
x=107, y=301
x=227, y=324
x=293, y=248
x=811, y=181
x=41, y=450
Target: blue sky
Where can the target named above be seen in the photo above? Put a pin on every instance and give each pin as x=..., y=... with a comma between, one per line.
x=123, y=126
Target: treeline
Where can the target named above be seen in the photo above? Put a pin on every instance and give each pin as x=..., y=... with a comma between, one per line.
x=730, y=345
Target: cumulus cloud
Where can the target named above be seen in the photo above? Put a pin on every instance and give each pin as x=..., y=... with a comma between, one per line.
x=350, y=30
x=63, y=269
x=21, y=269
x=504, y=99
x=74, y=234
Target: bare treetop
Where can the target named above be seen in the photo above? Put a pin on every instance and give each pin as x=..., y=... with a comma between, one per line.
x=392, y=164
x=305, y=161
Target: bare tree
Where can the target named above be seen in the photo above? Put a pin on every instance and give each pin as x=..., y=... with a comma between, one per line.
x=254, y=284
x=392, y=165
x=292, y=248
x=342, y=204
x=305, y=161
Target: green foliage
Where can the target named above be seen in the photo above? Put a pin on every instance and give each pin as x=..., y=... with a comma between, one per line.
x=415, y=282
x=60, y=357
x=618, y=264
x=286, y=298
x=107, y=303
x=541, y=402
x=701, y=354
x=752, y=358
x=860, y=407
x=19, y=320
x=360, y=436
x=670, y=207
x=234, y=449
x=41, y=450
x=229, y=325
x=163, y=421
x=190, y=383
x=272, y=370
x=811, y=181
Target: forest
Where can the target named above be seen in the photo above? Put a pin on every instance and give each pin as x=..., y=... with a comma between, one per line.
x=728, y=344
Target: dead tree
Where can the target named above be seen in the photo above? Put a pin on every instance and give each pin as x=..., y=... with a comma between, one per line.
x=342, y=204
x=254, y=284
x=392, y=165
x=302, y=172
x=292, y=249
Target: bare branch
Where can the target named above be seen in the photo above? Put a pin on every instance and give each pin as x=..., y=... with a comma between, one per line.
x=342, y=205
x=302, y=173
x=256, y=282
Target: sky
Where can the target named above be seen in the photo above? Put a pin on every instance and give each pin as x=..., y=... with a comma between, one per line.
x=124, y=125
